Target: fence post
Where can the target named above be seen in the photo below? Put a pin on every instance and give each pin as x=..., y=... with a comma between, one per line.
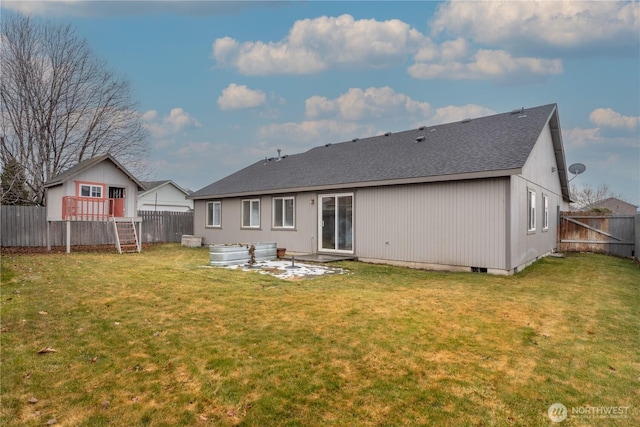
x=68, y=236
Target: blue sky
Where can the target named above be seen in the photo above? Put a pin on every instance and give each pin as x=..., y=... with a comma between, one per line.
x=221, y=85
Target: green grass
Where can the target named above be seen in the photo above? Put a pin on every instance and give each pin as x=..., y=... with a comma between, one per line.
x=155, y=339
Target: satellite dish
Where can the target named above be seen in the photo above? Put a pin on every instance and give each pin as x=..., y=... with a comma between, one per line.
x=576, y=169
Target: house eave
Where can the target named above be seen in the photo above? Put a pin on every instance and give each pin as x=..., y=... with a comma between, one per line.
x=558, y=149
x=60, y=181
x=353, y=185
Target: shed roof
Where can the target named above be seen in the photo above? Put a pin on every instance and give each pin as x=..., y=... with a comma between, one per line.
x=153, y=185
x=86, y=165
x=491, y=146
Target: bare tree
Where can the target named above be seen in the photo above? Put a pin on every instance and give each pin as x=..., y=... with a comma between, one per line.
x=587, y=195
x=61, y=104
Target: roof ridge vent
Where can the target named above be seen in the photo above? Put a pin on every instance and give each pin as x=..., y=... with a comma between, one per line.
x=420, y=138
x=422, y=128
x=518, y=111
x=355, y=139
x=387, y=133
x=466, y=121
x=327, y=144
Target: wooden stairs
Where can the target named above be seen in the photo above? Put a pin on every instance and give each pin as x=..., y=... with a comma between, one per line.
x=126, y=235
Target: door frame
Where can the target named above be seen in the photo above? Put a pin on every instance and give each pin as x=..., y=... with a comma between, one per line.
x=335, y=196
x=117, y=205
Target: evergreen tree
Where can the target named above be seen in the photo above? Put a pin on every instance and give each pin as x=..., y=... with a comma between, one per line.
x=12, y=184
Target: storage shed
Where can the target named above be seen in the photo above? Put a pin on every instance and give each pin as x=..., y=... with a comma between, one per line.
x=96, y=189
x=164, y=196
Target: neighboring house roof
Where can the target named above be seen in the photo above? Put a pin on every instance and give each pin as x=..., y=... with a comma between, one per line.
x=86, y=165
x=155, y=185
x=497, y=145
x=615, y=205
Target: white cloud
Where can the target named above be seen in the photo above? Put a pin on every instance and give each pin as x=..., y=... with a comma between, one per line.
x=359, y=104
x=453, y=113
x=319, y=44
x=313, y=45
x=580, y=138
x=606, y=117
x=313, y=132
x=483, y=64
x=555, y=24
x=583, y=138
x=235, y=97
x=361, y=113
x=176, y=121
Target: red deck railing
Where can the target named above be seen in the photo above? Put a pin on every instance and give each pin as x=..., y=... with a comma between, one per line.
x=87, y=208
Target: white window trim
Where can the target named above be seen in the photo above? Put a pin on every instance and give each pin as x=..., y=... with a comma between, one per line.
x=274, y=204
x=531, y=211
x=352, y=234
x=251, y=202
x=545, y=213
x=91, y=187
x=212, y=224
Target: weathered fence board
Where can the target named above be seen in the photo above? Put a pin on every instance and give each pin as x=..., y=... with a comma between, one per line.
x=165, y=226
x=27, y=226
x=595, y=232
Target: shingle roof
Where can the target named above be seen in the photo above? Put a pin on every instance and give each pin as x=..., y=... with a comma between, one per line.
x=150, y=185
x=495, y=145
x=61, y=178
x=615, y=205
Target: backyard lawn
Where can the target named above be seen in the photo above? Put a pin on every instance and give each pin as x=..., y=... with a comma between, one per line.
x=159, y=339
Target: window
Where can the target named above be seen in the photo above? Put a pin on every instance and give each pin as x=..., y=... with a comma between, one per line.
x=251, y=213
x=214, y=214
x=532, y=211
x=283, y=212
x=87, y=190
x=545, y=218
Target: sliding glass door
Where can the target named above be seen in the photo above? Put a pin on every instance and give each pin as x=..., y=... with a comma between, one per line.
x=336, y=226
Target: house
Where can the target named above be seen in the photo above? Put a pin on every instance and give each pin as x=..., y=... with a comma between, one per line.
x=614, y=206
x=97, y=189
x=164, y=196
x=476, y=195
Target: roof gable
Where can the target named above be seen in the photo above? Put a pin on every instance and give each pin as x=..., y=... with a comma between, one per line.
x=154, y=185
x=86, y=165
x=615, y=205
x=496, y=145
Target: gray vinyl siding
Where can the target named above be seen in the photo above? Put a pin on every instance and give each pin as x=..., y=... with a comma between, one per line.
x=467, y=223
x=302, y=238
x=527, y=246
x=450, y=223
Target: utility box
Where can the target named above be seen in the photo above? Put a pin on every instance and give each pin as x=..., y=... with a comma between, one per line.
x=191, y=241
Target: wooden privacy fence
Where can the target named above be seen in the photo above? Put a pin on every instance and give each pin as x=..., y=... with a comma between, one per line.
x=599, y=233
x=27, y=226
x=164, y=227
